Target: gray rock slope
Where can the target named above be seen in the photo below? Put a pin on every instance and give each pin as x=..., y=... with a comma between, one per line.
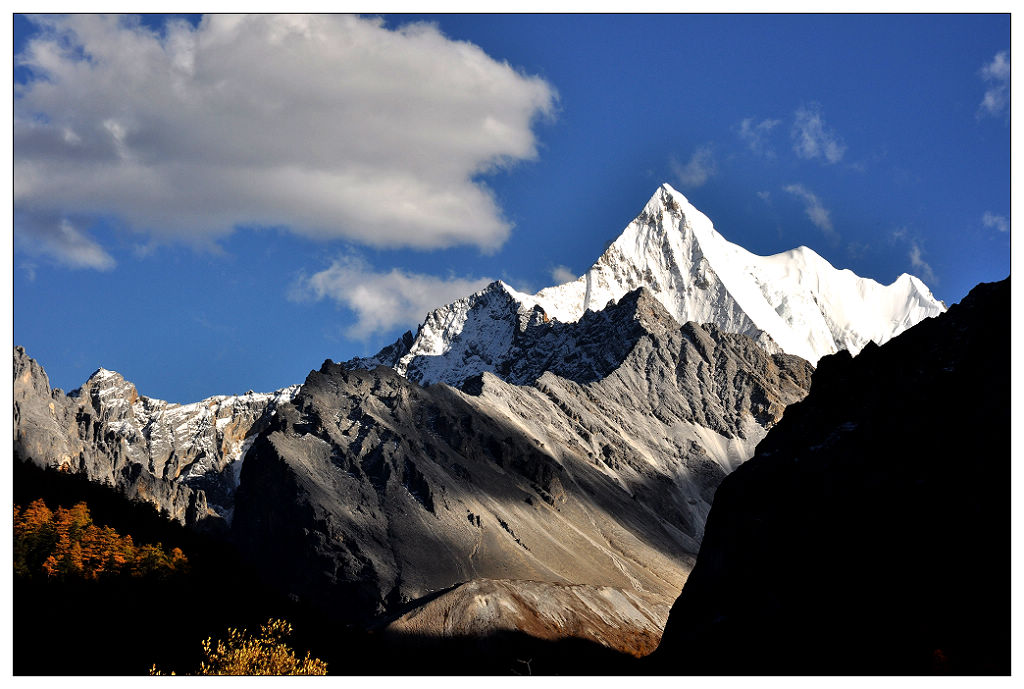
x=182, y=458
x=370, y=491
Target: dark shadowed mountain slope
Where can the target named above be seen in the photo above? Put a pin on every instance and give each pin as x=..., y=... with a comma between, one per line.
x=870, y=533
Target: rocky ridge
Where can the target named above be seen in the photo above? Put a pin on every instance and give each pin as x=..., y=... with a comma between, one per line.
x=182, y=458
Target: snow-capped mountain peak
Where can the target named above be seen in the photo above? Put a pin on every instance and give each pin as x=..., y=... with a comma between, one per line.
x=794, y=301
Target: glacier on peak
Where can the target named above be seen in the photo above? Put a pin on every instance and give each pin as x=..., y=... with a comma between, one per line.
x=795, y=301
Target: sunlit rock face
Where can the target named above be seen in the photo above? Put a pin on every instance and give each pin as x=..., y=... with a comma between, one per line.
x=624, y=620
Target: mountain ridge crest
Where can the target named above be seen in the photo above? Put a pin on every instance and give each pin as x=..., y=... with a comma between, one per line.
x=794, y=302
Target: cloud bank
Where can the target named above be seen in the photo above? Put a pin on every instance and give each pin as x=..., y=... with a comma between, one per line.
x=382, y=301
x=331, y=126
x=812, y=138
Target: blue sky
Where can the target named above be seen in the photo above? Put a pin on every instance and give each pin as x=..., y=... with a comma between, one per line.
x=213, y=206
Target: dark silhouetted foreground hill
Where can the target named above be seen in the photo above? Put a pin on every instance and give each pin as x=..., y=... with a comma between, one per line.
x=870, y=533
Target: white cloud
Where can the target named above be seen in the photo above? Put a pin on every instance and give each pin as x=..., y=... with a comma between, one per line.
x=856, y=250
x=999, y=222
x=920, y=265
x=562, y=275
x=30, y=270
x=382, y=301
x=998, y=69
x=697, y=171
x=332, y=126
x=915, y=253
x=812, y=139
x=814, y=209
x=765, y=196
x=756, y=135
x=996, y=75
x=60, y=240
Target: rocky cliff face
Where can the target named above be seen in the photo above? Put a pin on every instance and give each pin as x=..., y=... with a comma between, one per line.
x=870, y=533
x=184, y=459
x=370, y=491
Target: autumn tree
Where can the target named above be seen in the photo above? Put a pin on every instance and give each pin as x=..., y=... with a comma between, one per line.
x=265, y=654
x=67, y=544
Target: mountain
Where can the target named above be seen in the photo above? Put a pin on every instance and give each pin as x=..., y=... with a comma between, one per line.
x=182, y=458
x=870, y=532
x=519, y=455
x=369, y=492
x=793, y=302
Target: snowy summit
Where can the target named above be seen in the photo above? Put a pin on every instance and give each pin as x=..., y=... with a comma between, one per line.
x=794, y=302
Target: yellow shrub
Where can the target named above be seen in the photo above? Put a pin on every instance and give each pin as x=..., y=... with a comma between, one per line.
x=266, y=654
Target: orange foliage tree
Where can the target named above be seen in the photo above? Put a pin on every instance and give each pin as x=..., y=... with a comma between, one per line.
x=67, y=544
